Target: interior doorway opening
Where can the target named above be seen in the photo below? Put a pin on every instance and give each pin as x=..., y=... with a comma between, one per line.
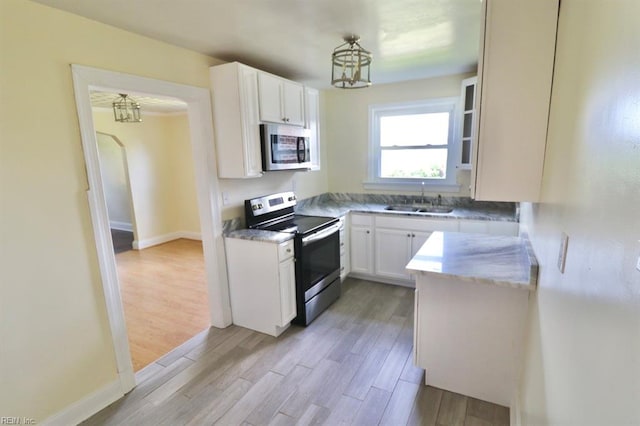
x=86, y=80
x=149, y=184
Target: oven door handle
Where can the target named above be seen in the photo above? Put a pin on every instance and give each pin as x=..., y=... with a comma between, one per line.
x=320, y=234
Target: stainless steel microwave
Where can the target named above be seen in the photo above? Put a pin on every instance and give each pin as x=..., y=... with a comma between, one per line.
x=285, y=147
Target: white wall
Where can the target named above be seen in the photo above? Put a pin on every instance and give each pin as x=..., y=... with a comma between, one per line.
x=583, y=352
x=347, y=128
x=115, y=181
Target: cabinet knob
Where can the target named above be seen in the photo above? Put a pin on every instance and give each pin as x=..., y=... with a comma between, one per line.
x=413, y=235
x=409, y=235
x=288, y=250
x=368, y=232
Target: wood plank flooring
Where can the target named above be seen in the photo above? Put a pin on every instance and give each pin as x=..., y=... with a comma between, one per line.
x=164, y=295
x=352, y=365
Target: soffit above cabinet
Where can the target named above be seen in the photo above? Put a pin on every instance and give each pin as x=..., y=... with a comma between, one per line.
x=410, y=39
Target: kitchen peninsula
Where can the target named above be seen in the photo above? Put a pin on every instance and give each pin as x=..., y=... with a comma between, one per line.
x=471, y=303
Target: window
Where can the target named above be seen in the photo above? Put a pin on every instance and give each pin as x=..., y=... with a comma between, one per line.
x=413, y=142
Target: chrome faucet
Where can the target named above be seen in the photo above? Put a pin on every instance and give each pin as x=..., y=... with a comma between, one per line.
x=422, y=197
x=439, y=200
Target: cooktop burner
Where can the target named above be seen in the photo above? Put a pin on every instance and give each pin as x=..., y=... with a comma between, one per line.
x=300, y=224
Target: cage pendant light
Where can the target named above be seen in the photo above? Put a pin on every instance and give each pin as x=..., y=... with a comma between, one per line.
x=351, y=63
x=126, y=110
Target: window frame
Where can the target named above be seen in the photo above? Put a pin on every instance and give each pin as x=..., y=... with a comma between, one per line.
x=433, y=105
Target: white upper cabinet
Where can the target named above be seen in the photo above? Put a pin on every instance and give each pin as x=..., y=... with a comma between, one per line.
x=513, y=94
x=281, y=101
x=235, y=120
x=467, y=134
x=243, y=98
x=312, y=122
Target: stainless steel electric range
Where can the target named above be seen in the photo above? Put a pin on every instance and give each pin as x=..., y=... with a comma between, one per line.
x=317, y=250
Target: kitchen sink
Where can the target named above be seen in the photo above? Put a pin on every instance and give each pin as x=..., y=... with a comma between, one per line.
x=436, y=209
x=419, y=209
x=402, y=208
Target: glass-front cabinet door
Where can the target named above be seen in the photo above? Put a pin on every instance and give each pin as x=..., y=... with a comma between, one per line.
x=467, y=124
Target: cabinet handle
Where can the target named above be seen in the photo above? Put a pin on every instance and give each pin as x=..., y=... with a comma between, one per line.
x=368, y=232
x=409, y=235
x=288, y=250
x=413, y=235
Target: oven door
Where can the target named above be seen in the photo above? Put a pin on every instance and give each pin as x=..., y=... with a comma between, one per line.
x=317, y=261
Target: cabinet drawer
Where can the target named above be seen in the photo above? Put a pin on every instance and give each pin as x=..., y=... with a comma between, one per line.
x=285, y=250
x=417, y=224
x=362, y=220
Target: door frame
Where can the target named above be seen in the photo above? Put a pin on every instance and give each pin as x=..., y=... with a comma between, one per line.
x=199, y=110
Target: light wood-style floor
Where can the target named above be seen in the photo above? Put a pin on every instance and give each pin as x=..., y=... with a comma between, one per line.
x=164, y=295
x=352, y=365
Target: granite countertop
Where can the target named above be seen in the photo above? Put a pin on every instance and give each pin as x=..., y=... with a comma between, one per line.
x=496, y=260
x=260, y=235
x=337, y=205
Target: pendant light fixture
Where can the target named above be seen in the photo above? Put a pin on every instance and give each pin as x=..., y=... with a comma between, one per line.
x=126, y=110
x=351, y=65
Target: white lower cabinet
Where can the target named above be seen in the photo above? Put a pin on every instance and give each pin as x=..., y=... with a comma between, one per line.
x=362, y=244
x=287, y=283
x=418, y=238
x=345, y=254
x=393, y=252
x=262, y=284
x=382, y=245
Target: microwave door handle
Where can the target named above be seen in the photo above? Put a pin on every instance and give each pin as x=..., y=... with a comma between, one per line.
x=301, y=150
x=320, y=234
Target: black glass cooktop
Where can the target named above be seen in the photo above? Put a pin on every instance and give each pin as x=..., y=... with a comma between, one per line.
x=301, y=224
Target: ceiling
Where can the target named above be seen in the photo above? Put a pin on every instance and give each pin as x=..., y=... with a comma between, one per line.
x=147, y=103
x=410, y=39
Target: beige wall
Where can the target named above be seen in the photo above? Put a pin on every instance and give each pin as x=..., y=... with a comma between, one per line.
x=347, y=120
x=55, y=341
x=583, y=352
x=161, y=172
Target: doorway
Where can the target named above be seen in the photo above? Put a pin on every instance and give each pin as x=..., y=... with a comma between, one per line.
x=149, y=184
x=85, y=80
x=114, y=170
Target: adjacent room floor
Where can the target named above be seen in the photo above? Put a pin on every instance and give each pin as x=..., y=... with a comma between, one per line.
x=164, y=295
x=352, y=365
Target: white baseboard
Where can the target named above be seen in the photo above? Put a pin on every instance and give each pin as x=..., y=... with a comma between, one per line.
x=121, y=226
x=190, y=235
x=87, y=406
x=160, y=239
